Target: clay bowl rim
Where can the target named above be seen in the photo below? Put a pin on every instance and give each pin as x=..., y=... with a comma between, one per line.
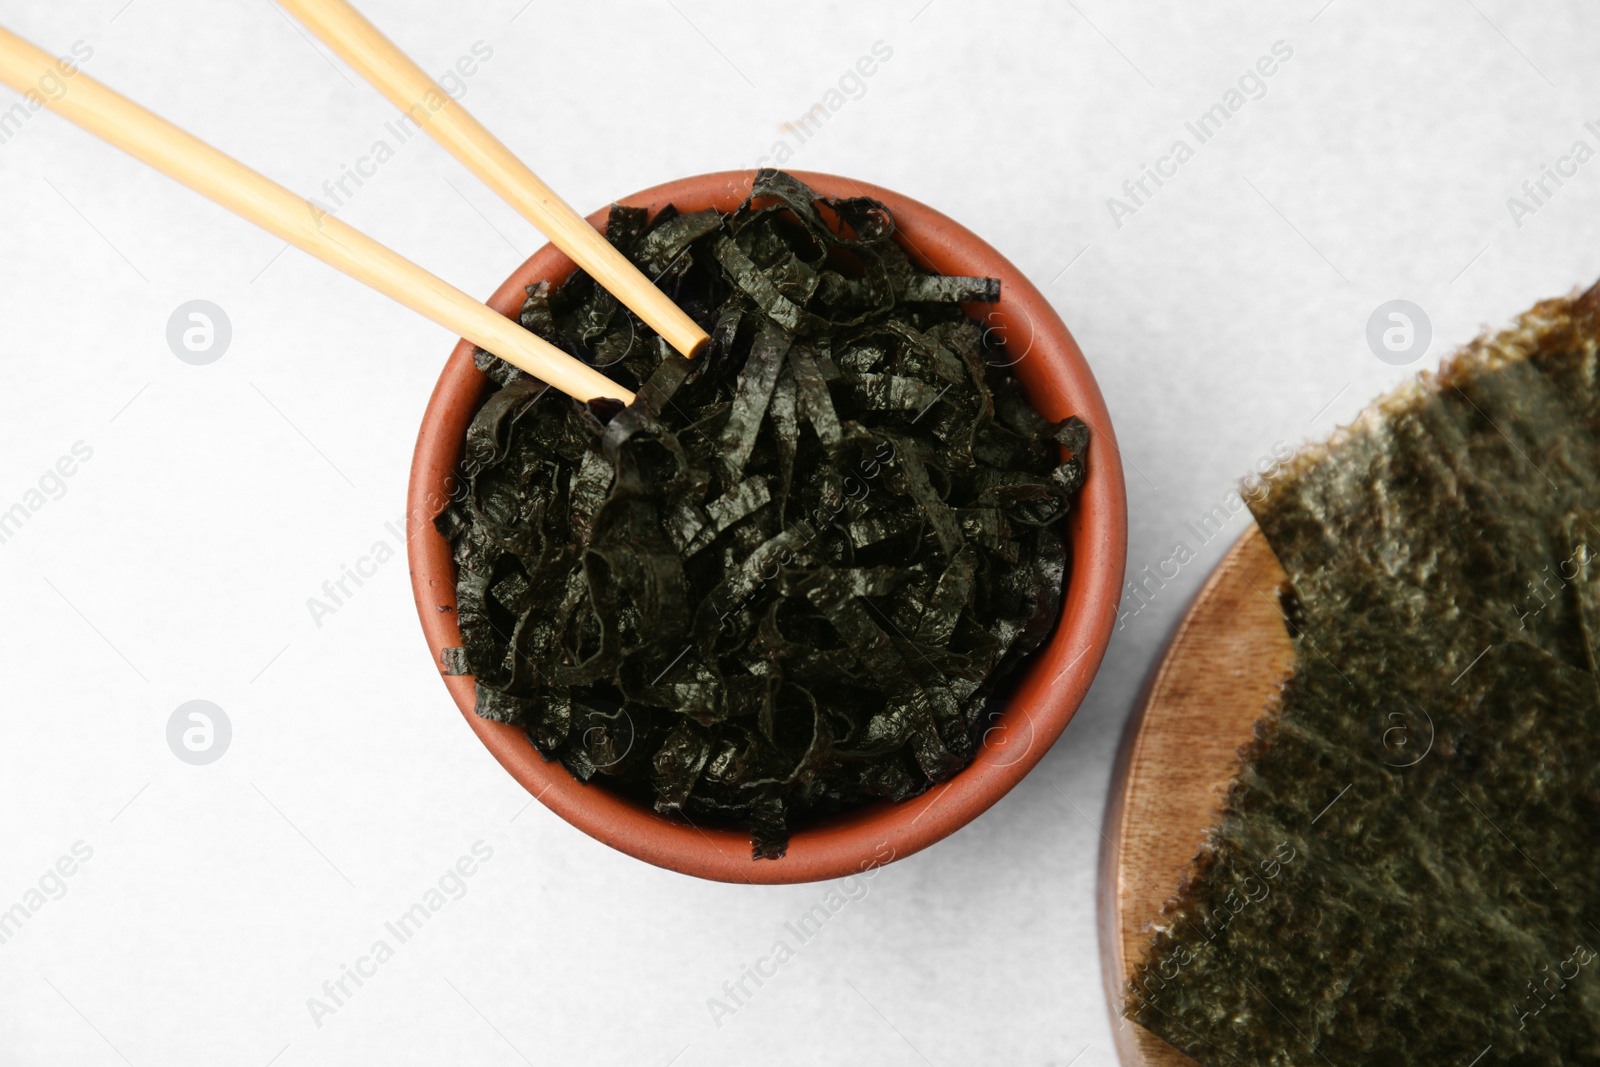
x=1058, y=382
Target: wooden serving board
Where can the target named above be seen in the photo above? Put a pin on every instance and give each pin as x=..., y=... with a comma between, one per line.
x=1222, y=671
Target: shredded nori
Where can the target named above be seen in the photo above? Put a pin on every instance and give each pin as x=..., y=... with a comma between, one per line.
x=1427, y=790
x=789, y=578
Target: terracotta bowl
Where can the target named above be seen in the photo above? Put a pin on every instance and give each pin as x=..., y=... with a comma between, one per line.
x=1057, y=381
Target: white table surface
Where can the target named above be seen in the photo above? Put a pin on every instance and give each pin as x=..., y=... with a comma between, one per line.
x=1225, y=315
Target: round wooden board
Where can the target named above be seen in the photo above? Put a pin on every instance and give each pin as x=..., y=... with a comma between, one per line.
x=1222, y=671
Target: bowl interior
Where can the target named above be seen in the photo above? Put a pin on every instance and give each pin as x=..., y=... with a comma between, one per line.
x=1053, y=682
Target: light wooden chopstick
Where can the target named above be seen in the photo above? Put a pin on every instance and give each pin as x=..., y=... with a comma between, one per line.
x=359, y=43
x=147, y=137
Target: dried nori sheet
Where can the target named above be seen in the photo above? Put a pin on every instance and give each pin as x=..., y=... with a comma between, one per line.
x=787, y=580
x=1455, y=487
x=1405, y=871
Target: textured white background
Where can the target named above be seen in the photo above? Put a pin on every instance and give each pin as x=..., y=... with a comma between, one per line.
x=1227, y=315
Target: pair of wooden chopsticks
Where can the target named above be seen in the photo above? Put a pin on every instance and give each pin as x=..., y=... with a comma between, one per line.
x=145, y=136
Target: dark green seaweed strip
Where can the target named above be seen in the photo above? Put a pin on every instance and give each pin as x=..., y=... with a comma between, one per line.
x=923, y=289
x=756, y=382
x=813, y=402
x=668, y=241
